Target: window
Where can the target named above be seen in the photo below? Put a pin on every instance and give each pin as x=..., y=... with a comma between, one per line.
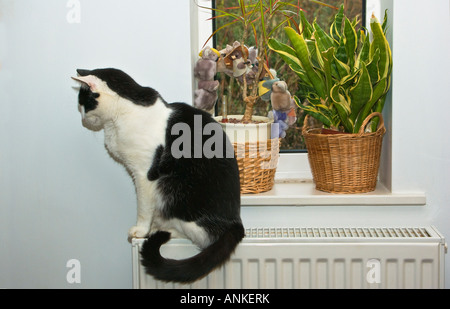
x=293, y=142
x=293, y=168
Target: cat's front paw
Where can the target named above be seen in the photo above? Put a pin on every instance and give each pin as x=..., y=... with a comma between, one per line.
x=137, y=232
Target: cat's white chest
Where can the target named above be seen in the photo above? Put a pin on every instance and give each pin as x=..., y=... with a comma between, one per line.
x=111, y=143
x=134, y=137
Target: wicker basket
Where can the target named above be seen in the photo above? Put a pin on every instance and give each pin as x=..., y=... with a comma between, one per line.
x=345, y=163
x=257, y=164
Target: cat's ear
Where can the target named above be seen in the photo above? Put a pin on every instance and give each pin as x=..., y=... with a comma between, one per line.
x=90, y=80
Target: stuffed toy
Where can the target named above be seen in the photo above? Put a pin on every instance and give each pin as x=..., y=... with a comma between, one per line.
x=238, y=61
x=206, y=67
x=265, y=86
x=284, y=107
x=240, y=64
x=206, y=95
x=281, y=97
x=205, y=70
x=280, y=124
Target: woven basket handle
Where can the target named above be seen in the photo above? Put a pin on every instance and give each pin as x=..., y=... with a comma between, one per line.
x=305, y=124
x=367, y=120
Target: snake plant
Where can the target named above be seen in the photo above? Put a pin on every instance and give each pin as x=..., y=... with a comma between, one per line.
x=346, y=74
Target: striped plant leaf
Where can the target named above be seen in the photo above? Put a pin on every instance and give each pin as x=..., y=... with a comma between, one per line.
x=361, y=93
x=315, y=112
x=335, y=30
x=301, y=50
x=342, y=106
x=342, y=68
x=380, y=42
x=363, y=55
x=379, y=91
x=350, y=42
x=323, y=40
x=372, y=67
x=305, y=27
x=327, y=58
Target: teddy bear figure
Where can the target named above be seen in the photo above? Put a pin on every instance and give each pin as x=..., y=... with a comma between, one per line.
x=206, y=95
x=206, y=67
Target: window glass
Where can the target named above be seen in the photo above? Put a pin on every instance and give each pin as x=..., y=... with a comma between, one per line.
x=324, y=14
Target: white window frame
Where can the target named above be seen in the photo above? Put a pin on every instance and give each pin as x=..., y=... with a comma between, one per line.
x=294, y=186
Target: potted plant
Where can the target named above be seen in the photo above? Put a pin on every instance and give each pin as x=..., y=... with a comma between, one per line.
x=347, y=76
x=255, y=139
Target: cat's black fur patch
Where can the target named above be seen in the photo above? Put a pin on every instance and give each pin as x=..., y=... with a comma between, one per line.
x=121, y=83
x=195, y=189
x=87, y=98
x=199, y=189
x=194, y=268
x=153, y=173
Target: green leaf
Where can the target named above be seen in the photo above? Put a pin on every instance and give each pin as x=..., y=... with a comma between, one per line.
x=342, y=68
x=263, y=22
x=341, y=51
x=372, y=67
x=361, y=93
x=301, y=50
x=305, y=27
x=242, y=6
x=378, y=108
x=379, y=91
x=315, y=113
x=349, y=80
x=384, y=26
x=342, y=105
x=327, y=58
x=336, y=27
x=350, y=41
x=323, y=40
x=365, y=50
x=379, y=105
x=289, y=56
x=380, y=42
x=286, y=52
x=324, y=4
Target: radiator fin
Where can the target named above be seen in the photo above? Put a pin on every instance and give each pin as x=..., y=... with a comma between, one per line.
x=330, y=232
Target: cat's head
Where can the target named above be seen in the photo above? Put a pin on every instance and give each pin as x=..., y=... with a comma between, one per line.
x=97, y=102
x=104, y=92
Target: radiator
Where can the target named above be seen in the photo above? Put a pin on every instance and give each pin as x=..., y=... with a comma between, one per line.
x=271, y=258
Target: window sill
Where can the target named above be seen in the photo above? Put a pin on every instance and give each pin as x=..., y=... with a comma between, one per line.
x=303, y=193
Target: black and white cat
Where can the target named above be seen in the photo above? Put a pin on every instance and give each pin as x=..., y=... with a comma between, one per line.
x=193, y=196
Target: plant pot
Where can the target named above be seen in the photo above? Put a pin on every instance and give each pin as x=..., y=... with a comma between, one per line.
x=256, y=152
x=345, y=163
x=247, y=132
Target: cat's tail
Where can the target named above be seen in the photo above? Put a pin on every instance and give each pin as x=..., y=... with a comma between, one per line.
x=193, y=268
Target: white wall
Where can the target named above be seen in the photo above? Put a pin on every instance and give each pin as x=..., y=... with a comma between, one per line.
x=62, y=197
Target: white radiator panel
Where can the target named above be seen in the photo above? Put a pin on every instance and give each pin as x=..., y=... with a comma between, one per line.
x=318, y=258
